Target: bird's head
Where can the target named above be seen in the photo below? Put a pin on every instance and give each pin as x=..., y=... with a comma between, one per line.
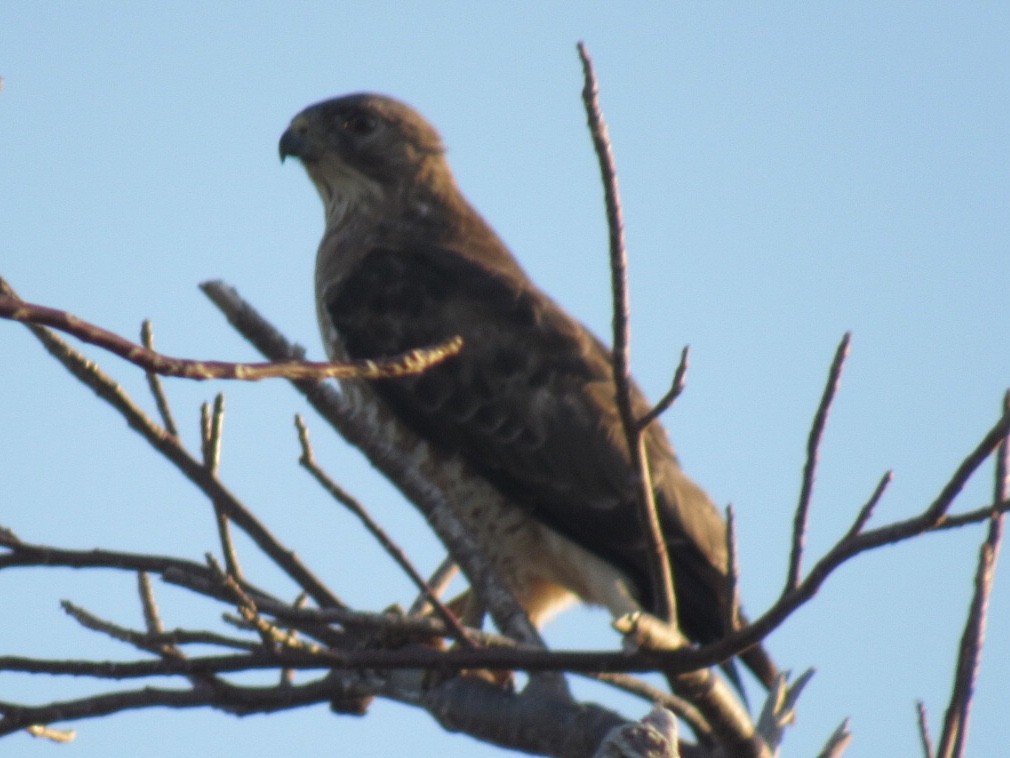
x=364, y=145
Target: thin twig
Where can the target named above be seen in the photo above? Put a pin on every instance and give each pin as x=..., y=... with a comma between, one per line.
x=308, y=461
x=732, y=608
x=439, y=582
x=389, y=623
x=923, y=718
x=930, y=519
x=271, y=634
x=411, y=362
x=838, y=742
x=866, y=512
x=8, y=538
x=660, y=570
x=154, y=382
x=237, y=700
x=937, y=511
x=675, y=391
x=152, y=617
x=809, y=468
x=212, y=427
x=1001, y=487
x=171, y=569
x=154, y=639
x=959, y=520
x=211, y=434
x=955, y=725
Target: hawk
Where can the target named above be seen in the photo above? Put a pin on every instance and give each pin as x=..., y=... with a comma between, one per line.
x=521, y=429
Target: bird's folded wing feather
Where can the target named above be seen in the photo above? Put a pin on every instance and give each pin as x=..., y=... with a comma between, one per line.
x=529, y=403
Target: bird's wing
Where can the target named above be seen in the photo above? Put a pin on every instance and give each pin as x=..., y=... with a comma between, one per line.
x=529, y=403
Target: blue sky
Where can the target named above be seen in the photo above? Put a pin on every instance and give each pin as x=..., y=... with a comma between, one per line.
x=788, y=174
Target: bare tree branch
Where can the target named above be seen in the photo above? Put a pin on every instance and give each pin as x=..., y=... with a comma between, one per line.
x=169, y=446
x=838, y=742
x=959, y=520
x=439, y=582
x=675, y=391
x=211, y=434
x=866, y=512
x=241, y=700
x=154, y=382
x=719, y=706
x=854, y=544
x=152, y=616
x=923, y=718
x=779, y=710
x=412, y=362
x=722, y=710
x=813, y=446
x=732, y=609
x=660, y=572
x=955, y=725
x=503, y=658
x=534, y=717
x=308, y=461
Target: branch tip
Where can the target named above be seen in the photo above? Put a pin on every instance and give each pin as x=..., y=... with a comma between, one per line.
x=810, y=466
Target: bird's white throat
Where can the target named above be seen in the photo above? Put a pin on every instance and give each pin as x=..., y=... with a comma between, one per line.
x=344, y=192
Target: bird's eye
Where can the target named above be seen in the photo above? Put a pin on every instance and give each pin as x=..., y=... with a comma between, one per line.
x=360, y=123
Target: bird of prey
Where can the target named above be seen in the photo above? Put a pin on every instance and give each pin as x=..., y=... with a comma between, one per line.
x=521, y=429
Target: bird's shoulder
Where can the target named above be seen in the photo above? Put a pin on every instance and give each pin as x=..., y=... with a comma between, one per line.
x=401, y=297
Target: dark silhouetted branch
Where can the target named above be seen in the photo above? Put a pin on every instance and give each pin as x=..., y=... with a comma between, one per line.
x=955, y=725
x=810, y=467
x=675, y=391
x=660, y=572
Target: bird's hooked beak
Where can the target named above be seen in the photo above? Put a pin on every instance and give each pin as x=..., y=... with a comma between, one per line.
x=297, y=143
